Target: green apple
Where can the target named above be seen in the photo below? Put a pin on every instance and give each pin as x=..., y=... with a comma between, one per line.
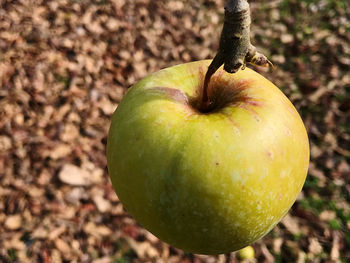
x=246, y=253
x=212, y=182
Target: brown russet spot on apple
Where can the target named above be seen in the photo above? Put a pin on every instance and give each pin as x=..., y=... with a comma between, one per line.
x=288, y=131
x=257, y=118
x=280, y=196
x=270, y=154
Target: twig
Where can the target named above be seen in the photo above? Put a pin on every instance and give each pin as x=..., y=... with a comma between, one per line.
x=235, y=49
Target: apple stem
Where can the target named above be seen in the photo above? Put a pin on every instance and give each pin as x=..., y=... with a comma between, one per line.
x=213, y=67
x=235, y=49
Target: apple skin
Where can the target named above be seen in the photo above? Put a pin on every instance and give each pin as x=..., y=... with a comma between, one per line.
x=246, y=253
x=207, y=183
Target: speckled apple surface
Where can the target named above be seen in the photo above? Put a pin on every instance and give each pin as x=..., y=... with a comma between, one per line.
x=207, y=183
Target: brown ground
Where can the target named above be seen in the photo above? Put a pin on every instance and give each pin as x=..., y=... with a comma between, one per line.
x=64, y=66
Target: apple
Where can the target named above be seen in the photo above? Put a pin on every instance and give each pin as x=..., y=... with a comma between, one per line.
x=207, y=182
x=246, y=253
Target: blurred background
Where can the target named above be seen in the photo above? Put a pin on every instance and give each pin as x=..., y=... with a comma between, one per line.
x=64, y=67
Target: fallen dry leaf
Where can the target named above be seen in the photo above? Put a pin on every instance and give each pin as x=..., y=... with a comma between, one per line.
x=13, y=222
x=290, y=223
x=73, y=175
